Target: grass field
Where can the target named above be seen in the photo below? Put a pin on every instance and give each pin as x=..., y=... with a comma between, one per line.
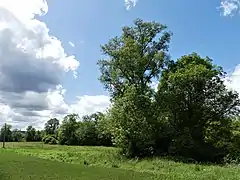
x=37, y=161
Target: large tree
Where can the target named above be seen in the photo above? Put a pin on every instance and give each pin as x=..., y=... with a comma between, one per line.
x=134, y=58
x=199, y=107
x=67, y=131
x=132, y=62
x=87, y=132
x=17, y=135
x=52, y=126
x=8, y=133
x=30, y=134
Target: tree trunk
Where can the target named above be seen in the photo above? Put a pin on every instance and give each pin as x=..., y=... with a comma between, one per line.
x=4, y=135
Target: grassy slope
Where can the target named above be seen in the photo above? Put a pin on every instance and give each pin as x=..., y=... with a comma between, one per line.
x=107, y=157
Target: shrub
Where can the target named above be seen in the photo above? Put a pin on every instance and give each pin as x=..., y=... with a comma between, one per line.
x=50, y=139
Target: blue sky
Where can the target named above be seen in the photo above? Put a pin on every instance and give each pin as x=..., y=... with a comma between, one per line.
x=196, y=26
x=49, y=49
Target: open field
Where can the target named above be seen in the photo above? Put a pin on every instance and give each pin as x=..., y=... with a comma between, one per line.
x=19, y=167
x=38, y=161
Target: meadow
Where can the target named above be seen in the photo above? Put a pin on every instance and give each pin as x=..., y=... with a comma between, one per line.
x=39, y=161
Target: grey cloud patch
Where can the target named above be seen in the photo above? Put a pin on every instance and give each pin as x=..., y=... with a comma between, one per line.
x=32, y=64
x=61, y=111
x=28, y=113
x=22, y=71
x=29, y=101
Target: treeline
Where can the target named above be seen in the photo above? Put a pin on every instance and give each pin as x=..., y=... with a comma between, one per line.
x=191, y=115
x=16, y=135
x=74, y=130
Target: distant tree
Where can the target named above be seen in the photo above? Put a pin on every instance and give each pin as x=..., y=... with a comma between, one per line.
x=104, y=129
x=38, y=136
x=89, y=131
x=67, y=131
x=8, y=133
x=52, y=126
x=30, y=134
x=17, y=135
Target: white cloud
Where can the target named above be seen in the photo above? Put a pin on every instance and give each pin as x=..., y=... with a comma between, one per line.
x=71, y=43
x=25, y=10
x=233, y=80
x=130, y=3
x=32, y=64
x=229, y=7
x=90, y=104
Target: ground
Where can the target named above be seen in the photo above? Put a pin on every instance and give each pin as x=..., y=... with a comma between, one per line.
x=38, y=161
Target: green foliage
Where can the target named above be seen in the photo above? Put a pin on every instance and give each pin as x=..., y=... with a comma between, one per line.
x=88, y=131
x=38, y=136
x=104, y=130
x=132, y=123
x=199, y=108
x=17, y=136
x=8, y=133
x=67, y=131
x=190, y=115
x=134, y=58
x=30, y=134
x=50, y=139
x=52, y=126
x=234, y=144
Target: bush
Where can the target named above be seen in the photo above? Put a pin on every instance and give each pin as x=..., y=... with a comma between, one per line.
x=50, y=139
x=234, y=151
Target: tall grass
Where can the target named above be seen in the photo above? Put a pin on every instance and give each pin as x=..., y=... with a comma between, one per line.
x=108, y=157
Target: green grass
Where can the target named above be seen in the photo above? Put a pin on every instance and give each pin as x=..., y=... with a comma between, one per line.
x=19, y=167
x=101, y=163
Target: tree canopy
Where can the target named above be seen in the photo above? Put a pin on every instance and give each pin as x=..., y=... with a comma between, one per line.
x=134, y=58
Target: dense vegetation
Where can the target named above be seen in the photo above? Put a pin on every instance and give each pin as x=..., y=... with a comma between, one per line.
x=15, y=166
x=191, y=115
x=86, y=162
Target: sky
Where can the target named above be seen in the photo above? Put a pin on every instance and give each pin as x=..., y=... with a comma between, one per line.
x=49, y=49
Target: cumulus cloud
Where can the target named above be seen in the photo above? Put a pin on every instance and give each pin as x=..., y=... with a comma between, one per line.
x=90, y=104
x=229, y=7
x=32, y=64
x=130, y=3
x=233, y=80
